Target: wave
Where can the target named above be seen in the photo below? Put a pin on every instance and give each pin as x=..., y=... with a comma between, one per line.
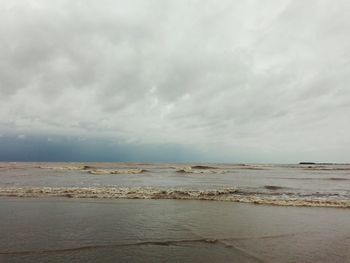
x=220, y=169
x=64, y=168
x=323, y=168
x=93, y=170
x=120, y=171
x=313, y=178
x=201, y=170
x=230, y=194
x=250, y=168
x=203, y=167
x=273, y=187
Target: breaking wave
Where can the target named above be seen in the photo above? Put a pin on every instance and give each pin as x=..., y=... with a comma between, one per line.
x=120, y=171
x=66, y=168
x=204, y=169
x=199, y=169
x=231, y=194
x=93, y=170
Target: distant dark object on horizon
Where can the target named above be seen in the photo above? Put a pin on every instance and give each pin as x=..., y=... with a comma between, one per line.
x=312, y=163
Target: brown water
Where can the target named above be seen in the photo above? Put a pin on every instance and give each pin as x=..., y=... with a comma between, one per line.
x=47, y=213
x=95, y=230
x=295, y=185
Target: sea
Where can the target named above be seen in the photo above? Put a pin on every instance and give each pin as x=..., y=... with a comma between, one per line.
x=141, y=212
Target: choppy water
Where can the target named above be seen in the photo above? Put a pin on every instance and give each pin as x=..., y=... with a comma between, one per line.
x=295, y=185
x=47, y=213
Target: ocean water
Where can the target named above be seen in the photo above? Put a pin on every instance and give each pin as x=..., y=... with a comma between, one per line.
x=128, y=212
x=297, y=185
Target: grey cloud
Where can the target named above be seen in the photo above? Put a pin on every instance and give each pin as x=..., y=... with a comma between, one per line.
x=231, y=77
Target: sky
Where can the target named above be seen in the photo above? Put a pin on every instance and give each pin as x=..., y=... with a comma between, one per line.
x=175, y=81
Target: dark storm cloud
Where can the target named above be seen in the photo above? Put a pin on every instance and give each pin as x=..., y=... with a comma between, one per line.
x=231, y=76
x=72, y=149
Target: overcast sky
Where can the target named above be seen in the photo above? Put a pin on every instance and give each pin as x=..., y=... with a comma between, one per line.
x=181, y=80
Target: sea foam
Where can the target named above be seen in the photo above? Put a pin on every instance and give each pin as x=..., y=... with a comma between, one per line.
x=232, y=195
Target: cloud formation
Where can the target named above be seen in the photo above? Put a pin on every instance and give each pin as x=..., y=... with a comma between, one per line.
x=266, y=79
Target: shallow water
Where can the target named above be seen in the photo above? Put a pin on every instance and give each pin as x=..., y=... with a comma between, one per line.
x=113, y=228
x=99, y=230
x=310, y=185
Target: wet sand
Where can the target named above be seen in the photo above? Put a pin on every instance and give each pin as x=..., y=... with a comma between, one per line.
x=102, y=230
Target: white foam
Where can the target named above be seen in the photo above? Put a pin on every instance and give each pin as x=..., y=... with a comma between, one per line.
x=231, y=194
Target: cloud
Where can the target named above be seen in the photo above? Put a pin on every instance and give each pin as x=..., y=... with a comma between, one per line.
x=260, y=79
